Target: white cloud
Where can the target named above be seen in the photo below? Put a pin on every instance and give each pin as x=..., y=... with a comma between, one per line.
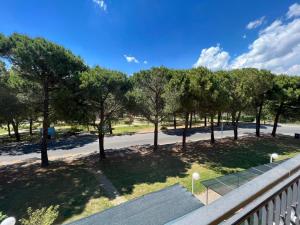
x=101, y=3
x=294, y=11
x=277, y=48
x=131, y=59
x=214, y=58
x=244, y=36
x=256, y=23
x=145, y=62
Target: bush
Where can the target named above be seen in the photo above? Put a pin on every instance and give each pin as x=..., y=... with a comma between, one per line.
x=247, y=119
x=43, y=216
x=2, y=216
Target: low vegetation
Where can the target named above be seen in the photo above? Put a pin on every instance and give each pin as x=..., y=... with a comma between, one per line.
x=43, y=216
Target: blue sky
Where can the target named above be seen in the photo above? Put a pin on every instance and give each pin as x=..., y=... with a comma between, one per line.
x=175, y=33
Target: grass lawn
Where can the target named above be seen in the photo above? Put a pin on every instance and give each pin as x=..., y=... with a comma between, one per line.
x=138, y=175
x=72, y=186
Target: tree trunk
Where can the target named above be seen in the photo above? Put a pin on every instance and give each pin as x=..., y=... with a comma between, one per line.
x=155, y=134
x=101, y=145
x=101, y=134
x=109, y=127
x=205, y=121
x=212, y=135
x=235, y=121
x=276, y=119
x=174, y=121
x=191, y=120
x=258, y=115
x=219, y=119
x=44, y=155
x=8, y=129
x=184, y=133
x=16, y=129
x=30, y=126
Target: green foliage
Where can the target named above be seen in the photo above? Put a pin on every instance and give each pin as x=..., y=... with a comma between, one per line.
x=2, y=216
x=210, y=90
x=104, y=92
x=178, y=93
x=43, y=216
x=258, y=84
x=148, y=89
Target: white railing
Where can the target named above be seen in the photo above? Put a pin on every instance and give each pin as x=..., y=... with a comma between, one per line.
x=270, y=199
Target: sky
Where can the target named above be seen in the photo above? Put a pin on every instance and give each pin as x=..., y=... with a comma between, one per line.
x=130, y=35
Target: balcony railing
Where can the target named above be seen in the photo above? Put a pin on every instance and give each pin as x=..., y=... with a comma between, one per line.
x=270, y=199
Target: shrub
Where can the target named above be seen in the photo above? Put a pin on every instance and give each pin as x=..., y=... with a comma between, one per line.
x=2, y=216
x=248, y=119
x=43, y=216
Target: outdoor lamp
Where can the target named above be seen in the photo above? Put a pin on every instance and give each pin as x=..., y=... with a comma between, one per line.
x=195, y=176
x=9, y=221
x=273, y=156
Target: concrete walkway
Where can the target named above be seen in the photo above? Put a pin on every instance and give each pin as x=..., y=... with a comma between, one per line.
x=109, y=189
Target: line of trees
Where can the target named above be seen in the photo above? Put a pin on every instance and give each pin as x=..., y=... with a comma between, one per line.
x=47, y=81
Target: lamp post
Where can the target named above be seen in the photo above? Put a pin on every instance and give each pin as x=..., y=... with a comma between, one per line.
x=195, y=176
x=273, y=156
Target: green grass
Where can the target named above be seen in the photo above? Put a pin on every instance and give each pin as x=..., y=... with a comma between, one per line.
x=139, y=175
x=72, y=187
x=131, y=128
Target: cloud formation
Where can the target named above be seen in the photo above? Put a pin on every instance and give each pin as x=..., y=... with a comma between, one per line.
x=294, y=11
x=131, y=59
x=214, y=58
x=277, y=48
x=101, y=3
x=256, y=23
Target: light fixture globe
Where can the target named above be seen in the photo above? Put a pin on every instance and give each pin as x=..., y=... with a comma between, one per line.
x=9, y=221
x=273, y=156
x=196, y=176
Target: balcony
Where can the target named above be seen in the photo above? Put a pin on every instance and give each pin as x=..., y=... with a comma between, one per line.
x=270, y=199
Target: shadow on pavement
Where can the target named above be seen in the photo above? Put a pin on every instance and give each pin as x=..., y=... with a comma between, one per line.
x=62, y=144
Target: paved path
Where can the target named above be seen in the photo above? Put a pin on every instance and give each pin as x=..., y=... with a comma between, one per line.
x=110, y=190
x=86, y=144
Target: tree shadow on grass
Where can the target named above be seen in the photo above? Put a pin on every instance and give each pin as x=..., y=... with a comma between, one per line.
x=146, y=167
x=169, y=161
x=71, y=186
x=229, y=156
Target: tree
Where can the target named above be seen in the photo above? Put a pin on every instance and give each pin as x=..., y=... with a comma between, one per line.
x=148, y=89
x=105, y=96
x=284, y=97
x=237, y=99
x=25, y=91
x=45, y=63
x=11, y=108
x=258, y=84
x=211, y=93
x=179, y=98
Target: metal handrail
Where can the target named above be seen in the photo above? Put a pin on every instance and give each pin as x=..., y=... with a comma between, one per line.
x=240, y=198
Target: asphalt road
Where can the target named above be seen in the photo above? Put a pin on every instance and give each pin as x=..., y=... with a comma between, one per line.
x=86, y=144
